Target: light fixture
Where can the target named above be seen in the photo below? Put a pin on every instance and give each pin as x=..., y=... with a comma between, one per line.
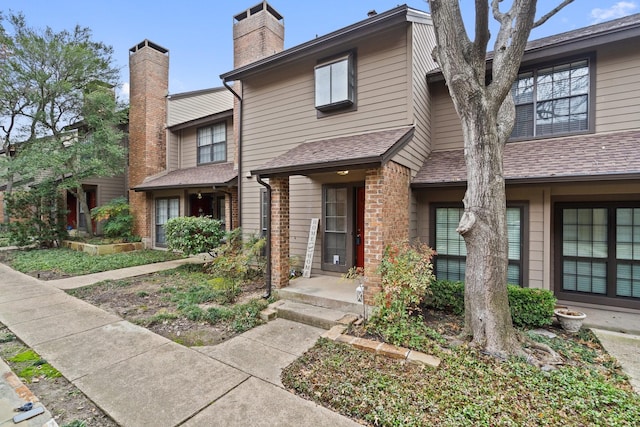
x=199, y=195
x=343, y=173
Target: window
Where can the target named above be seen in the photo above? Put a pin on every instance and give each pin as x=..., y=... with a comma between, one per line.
x=221, y=212
x=264, y=212
x=599, y=250
x=552, y=100
x=212, y=143
x=335, y=83
x=165, y=210
x=450, y=262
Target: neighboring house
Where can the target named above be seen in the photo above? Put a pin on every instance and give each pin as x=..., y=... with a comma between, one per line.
x=98, y=190
x=572, y=169
x=356, y=128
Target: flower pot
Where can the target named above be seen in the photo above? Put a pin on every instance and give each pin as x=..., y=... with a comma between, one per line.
x=570, y=320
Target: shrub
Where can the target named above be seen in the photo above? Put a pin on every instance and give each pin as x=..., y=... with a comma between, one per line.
x=193, y=234
x=36, y=217
x=530, y=307
x=236, y=263
x=406, y=273
x=117, y=217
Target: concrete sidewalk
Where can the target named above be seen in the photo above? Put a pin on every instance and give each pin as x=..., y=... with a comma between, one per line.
x=142, y=379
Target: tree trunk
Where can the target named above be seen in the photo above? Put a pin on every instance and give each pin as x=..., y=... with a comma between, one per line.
x=483, y=226
x=82, y=198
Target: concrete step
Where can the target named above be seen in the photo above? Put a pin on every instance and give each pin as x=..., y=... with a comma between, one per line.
x=295, y=295
x=308, y=314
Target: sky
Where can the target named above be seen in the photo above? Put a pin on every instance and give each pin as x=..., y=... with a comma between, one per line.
x=198, y=33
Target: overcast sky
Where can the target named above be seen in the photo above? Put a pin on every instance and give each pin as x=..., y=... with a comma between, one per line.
x=198, y=33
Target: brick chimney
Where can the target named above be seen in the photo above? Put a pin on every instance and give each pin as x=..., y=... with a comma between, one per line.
x=149, y=86
x=258, y=32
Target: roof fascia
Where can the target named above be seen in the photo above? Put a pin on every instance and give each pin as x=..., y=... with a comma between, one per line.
x=202, y=120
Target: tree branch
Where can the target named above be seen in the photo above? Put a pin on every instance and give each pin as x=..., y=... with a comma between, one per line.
x=546, y=17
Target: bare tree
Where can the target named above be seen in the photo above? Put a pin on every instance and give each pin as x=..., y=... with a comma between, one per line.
x=481, y=97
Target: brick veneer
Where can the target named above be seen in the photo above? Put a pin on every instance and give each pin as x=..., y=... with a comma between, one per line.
x=149, y=79
x=386, y=218
x=279, y=231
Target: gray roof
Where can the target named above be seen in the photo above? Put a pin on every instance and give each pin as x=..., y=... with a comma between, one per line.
x=214, y=174
x=363, y=150
x=574, y=158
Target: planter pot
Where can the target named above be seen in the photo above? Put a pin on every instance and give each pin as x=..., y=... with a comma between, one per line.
x=570, y=320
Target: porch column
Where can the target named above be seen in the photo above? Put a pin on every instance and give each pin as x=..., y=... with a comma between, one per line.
x=279, y=231
x=231, y=208
x=386, y=218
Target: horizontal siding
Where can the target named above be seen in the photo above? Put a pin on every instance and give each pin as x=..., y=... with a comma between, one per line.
x=189, y=146
x=187, y=107
x=447, y=130
x=617, y=88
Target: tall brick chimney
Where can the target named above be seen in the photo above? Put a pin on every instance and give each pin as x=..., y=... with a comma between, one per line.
x=149, y=86
x=258, y=32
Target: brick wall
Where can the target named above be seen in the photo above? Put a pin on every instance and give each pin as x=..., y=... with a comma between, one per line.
x=386, y=218
x=279, y=231
x=149, y=80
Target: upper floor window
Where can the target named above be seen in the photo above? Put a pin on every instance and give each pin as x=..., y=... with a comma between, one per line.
x=212, y=143
x=552, y=100
x=335, y=83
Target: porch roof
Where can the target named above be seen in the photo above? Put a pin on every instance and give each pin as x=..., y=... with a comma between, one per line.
x=593, y=157
x=215, y=174
x=371, y=149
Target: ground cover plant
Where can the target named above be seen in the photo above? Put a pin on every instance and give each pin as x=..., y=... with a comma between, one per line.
x=469, y=388
x=181, y=304
x=61, y=262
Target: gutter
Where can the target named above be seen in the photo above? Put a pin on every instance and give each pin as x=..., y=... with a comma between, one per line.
x=267, y=293
x=239, y=148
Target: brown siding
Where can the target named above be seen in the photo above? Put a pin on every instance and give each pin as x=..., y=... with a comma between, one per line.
x=189, y=149
x=447, y=130
x=618, y=88
x=192, y=106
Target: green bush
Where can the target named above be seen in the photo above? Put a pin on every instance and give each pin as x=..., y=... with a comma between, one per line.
x=117, y=217
x=193, y=234
x=530, y=307
x=447, y=296
x=406, y=273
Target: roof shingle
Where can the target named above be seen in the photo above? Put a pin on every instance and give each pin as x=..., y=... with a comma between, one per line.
x=339, y=152
x=579, y=158
x=199, y=176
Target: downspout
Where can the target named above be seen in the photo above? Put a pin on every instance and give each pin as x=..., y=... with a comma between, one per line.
x=267, y=293
x=239, y=149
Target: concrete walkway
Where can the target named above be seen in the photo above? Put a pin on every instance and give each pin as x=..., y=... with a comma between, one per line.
x=142, y=379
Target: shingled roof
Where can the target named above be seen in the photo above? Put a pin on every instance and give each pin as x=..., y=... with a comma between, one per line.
x=219, y=174
x=576, y=158
x=369, y=149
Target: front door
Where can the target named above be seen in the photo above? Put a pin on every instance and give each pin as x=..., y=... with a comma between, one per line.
x=343, y=227
x=359, y=238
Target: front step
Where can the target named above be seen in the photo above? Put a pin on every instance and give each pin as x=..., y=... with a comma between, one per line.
x=319, y=317
x=295, y=295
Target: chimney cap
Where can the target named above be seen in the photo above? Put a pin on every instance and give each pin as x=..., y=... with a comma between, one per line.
x=371, y=13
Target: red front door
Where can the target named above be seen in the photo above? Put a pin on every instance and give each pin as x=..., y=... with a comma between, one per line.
x=359, y=227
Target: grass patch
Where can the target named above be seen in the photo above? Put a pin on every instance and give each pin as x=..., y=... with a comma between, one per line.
x=69, y=262
x=468, y=389
x=28, y=365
